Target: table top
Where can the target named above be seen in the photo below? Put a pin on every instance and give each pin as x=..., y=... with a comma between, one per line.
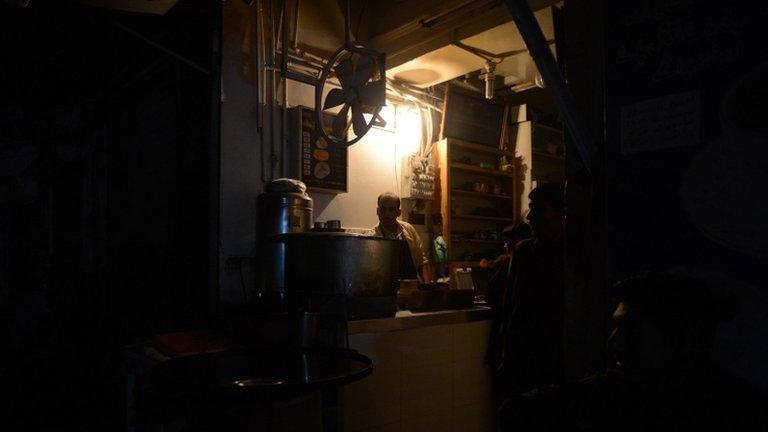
x=267, y=372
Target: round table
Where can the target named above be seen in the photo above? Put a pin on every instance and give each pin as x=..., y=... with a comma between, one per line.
x=213, y=382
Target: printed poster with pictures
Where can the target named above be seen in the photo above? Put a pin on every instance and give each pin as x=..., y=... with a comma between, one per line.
x=323, y=164
x=419, y=175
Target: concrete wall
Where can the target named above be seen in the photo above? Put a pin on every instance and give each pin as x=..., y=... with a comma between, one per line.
x=240, y=180
x=374, y=165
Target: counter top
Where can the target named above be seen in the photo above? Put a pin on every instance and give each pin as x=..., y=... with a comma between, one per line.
x=182, y=344
x=406, y=319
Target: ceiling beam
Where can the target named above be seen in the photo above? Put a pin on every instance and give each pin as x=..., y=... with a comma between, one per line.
x=453, y=19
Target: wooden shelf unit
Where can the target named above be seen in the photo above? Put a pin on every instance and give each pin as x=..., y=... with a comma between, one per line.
x=479, y=241
x=487, y=218
x=480, y=170
x=480, y=148
x=461, y=264
x=543, y=155
x=546, y=166
x=481, y=194
x=453, y=194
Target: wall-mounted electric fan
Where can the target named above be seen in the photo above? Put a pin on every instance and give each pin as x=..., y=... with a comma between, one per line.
x=361, y=73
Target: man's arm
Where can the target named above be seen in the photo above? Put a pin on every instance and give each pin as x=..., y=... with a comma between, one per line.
x=424, y=269
x=494, y=291
x=418, y=253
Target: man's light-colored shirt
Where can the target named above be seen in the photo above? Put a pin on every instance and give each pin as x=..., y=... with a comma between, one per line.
x=411, y=237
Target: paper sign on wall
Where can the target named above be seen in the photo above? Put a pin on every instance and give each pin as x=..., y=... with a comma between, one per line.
x=419, y=177
x=660, y=123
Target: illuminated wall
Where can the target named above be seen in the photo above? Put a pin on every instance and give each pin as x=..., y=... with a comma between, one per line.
x=374, y=165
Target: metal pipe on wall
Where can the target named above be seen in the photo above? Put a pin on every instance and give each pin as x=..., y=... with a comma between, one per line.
x=264, y=97
x=346, y=23
x=284, y=95
x=296, y=10
x=260, y=74
x=272, y=97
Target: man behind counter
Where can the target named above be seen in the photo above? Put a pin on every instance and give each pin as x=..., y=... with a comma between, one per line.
x=390, y=227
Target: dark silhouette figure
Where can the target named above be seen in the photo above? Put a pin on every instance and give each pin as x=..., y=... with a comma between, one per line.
x=662, y=377
x=524, y=350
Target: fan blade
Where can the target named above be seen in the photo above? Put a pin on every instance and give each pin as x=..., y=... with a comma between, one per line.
x=373, y=94
x=379, y=121
x=335, y=98
x=364, y=70
x=340, y=125
x=358, y=121
x=344, y=70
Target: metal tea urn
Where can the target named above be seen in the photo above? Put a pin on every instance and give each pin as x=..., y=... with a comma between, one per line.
x=284, y=207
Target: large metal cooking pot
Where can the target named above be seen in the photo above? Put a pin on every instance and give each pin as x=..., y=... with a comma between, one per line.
x=362, y=270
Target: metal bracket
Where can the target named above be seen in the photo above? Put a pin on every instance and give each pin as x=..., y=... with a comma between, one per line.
x=553, y=78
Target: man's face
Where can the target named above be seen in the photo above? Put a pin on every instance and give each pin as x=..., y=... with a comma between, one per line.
x=388, y=212
x=617, y=341
x=637, y=346
x=545, y=220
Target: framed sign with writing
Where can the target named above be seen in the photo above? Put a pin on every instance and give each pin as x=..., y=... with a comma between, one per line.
x=321, y=165
x=419, y=176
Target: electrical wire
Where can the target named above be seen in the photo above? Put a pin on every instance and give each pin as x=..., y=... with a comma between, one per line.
x=359, y=19
x=412, y=94
x=397, y=176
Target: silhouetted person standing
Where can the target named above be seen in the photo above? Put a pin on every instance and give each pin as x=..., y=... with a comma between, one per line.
x=525, y=350
x=662, y=377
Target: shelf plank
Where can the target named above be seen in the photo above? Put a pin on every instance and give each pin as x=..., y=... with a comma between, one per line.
x=475, y=265
x=455, y=240
x=477, y=169
x=551, y=128
x=548, y=156
x=465, y=263
x=480, y=148
x=481, y=194
x=489, y=218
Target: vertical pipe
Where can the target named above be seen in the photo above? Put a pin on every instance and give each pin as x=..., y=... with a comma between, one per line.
x=270, y=97
x=261, y=49
x=537, y=45
x=295, y=43
x=284, y=94
x=256, y=46
x=284, y=40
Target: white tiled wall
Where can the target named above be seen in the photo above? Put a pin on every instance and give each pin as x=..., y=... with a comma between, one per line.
x=425, y=379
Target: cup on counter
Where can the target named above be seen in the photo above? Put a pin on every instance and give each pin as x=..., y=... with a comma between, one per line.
x=464, y=279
